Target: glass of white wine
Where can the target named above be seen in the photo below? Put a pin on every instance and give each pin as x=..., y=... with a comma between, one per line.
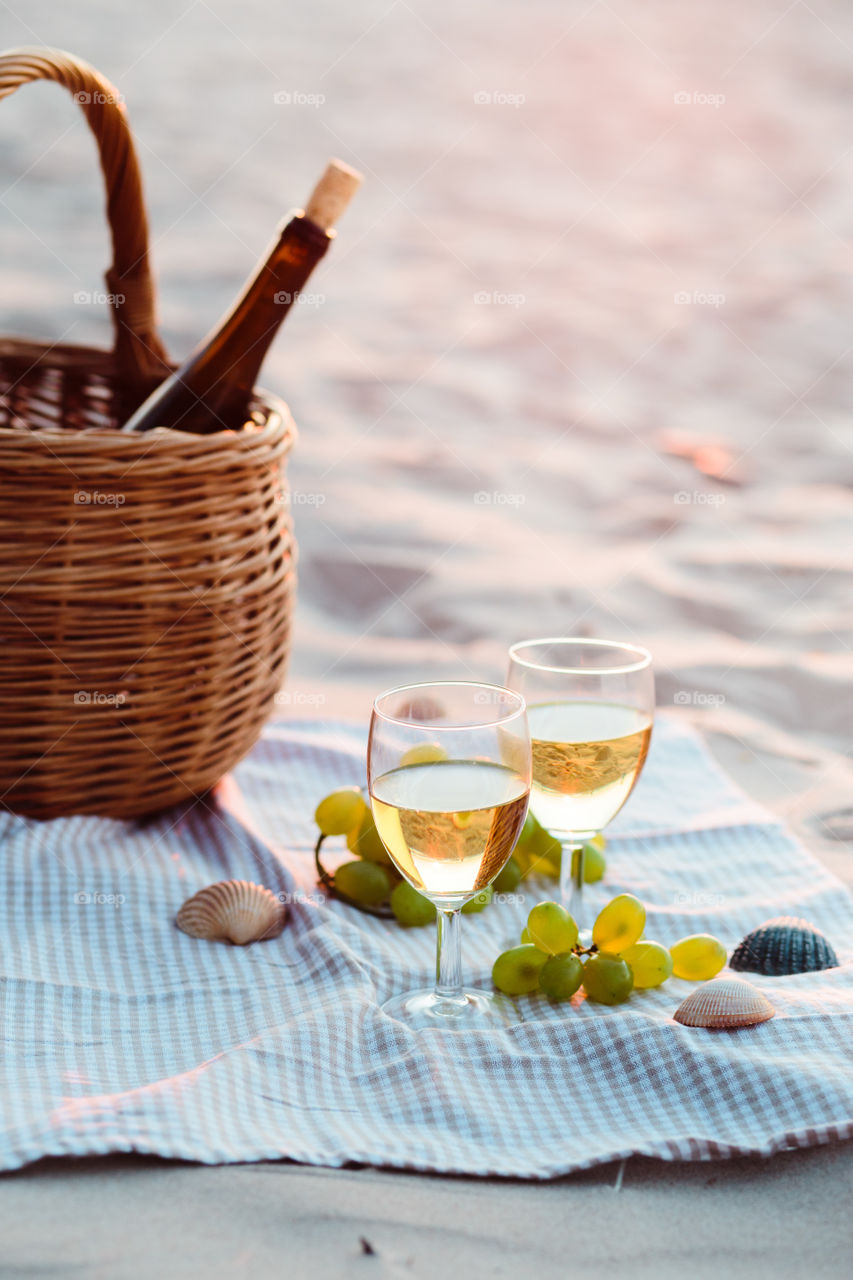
x=590, y=707
x=448, y=769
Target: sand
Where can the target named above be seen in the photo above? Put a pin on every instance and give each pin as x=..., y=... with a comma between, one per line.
x=594, y=238
x=126, y=1218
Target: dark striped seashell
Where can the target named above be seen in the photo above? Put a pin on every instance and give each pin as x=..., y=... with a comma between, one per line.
x=786, y=945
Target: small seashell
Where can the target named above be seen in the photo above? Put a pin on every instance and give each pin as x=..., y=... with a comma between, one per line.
x=235, y=911
x=725, y=1002
x=782, y=946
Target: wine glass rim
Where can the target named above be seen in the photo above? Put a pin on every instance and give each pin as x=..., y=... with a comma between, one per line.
x=644, y=657
x=512, y=694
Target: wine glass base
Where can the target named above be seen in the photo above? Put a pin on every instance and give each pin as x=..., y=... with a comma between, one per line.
x=472, y=1011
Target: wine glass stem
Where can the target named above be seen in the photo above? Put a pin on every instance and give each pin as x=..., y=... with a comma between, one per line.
x=448, y=961
x=571, y=881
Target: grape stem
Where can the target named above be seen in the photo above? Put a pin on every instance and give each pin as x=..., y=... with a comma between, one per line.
x=328, y=881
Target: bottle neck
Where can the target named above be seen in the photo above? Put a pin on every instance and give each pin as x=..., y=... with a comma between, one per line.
x=232, y=356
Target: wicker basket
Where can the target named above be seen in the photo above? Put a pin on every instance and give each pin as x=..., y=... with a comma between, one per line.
x=146, y=581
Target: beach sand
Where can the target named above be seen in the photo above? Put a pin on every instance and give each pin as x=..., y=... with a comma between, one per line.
x=579, y=362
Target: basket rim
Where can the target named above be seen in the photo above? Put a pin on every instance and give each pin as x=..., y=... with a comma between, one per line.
x=278, y=429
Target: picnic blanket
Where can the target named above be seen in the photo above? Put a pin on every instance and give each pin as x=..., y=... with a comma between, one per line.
x=120, y=1033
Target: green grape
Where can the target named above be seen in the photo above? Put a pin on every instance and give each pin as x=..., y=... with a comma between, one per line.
x=365, y=842
x=620, y=924
x=508, y=878
x=526, y=832
x=364, y=882
x=594, y=863
x=607, y=979
x=698, y=957
x=546, y=853
x=479, y=901
x=537, y=852
x=560, y=977
x=651, y=964
x=525, y=936
x=423, y=753
x=411, y=908
x=551, y=928
x=521, y=853
x=516, y=972
x=340, y=812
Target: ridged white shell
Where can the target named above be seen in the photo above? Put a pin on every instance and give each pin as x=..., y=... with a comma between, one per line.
x=235, y=911
x=725, y=1002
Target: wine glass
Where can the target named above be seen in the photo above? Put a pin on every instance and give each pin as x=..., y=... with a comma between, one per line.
x=448, y=768
x=590, y=707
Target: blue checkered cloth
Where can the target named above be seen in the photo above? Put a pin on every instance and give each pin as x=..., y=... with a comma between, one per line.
x=123, y=1034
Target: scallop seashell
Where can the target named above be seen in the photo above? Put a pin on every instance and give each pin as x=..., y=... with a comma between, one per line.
x=782, y=946
x=235, y=911
x=725, y=1002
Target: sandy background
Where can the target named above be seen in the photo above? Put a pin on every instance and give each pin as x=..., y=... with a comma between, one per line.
x=500, y=353
x=641, y=241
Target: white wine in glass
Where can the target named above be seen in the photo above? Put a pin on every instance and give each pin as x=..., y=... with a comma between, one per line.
x=450, y=825
x=449, y=777
x=590, y=711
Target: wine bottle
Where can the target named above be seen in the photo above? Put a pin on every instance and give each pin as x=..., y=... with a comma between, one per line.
x=212, y=388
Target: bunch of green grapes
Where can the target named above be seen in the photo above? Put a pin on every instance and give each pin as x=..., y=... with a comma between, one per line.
x=370, y=881
x=538, y=853
x=550, y=958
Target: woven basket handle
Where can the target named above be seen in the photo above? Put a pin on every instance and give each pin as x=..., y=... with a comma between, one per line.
x=140, y=357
